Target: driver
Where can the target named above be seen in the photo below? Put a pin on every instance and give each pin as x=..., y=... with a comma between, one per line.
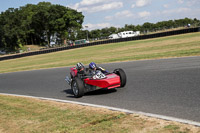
x=95, y=68
x=80, y=67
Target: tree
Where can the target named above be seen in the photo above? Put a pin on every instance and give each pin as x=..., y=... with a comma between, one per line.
x=11, y=32
x=147, y=27
x=36, y=24
x=96, y=34
x=129, y=27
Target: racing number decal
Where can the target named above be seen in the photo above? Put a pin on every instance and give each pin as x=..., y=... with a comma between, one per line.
x=99, y=75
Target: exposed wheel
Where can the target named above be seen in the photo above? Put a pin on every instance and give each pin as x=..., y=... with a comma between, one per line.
x=122, y=75
x=77, y=87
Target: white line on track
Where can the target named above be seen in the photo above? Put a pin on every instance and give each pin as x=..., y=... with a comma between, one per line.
x=113, y=108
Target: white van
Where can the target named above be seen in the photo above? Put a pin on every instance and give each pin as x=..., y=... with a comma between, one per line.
x=124, y=34
x=113, y=36
x=128, y=34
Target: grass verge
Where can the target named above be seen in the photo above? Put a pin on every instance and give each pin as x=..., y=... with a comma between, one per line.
x=20, y=115
x=171, y=46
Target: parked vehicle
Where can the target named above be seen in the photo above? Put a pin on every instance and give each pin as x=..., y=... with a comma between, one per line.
x=128, y=34
x=113, y=36
x=124, y=34
x=2, y=52
x=82, y=41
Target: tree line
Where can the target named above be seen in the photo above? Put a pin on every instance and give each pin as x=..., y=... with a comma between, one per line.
x=37, y=24
x=145, y=28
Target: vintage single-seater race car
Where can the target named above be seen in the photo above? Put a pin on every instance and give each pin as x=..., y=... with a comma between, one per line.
x=82, y=83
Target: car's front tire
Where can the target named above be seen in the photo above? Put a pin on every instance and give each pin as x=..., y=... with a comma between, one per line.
x=122, y=75
x=77, y=87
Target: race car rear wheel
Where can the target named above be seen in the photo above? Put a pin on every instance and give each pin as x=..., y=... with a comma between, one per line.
x=122, y=75
x=77, y=87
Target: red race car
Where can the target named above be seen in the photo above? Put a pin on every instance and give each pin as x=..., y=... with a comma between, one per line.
x=82, y=83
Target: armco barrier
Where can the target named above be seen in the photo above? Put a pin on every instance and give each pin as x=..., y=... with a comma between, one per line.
x=155, y=35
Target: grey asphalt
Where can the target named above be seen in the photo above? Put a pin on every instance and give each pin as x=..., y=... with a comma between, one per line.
x=169, y=87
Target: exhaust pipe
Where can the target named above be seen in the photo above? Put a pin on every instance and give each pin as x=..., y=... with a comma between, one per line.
x=68, y=80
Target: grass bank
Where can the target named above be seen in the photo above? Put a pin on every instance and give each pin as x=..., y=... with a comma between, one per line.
x=172, y=46
x=20, y=115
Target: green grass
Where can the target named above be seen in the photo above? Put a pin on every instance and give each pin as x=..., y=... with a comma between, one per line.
x=24, y=115
x=172, y=46
x=172, y=127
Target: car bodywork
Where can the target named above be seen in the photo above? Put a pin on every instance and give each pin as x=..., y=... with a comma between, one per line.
x=89, y=83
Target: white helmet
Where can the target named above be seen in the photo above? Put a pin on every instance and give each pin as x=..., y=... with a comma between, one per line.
x=79, y=66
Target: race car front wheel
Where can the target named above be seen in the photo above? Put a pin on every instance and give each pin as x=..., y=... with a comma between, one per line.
x=77, y=87
x=122, y=75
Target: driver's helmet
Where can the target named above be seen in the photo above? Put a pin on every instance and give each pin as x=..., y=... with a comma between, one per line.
x=92, y=65
x=79, y=66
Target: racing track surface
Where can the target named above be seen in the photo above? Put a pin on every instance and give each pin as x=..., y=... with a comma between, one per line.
x=169, y=87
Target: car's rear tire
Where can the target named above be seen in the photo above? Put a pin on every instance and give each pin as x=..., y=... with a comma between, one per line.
x=122, y=75
x=77, y=87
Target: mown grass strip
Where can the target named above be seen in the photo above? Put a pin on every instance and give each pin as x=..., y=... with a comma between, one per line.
x=172, y=46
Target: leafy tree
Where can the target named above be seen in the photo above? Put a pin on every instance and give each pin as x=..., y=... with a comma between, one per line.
x=147, y=27
x=129, y=27
x=95, y=34
x=10, y=29
x=196, y=22
x=36, y=24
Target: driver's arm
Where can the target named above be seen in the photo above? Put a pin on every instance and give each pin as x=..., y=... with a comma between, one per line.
x=102, y=70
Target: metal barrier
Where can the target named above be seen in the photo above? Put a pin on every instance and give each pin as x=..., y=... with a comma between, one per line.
x=155, y=35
